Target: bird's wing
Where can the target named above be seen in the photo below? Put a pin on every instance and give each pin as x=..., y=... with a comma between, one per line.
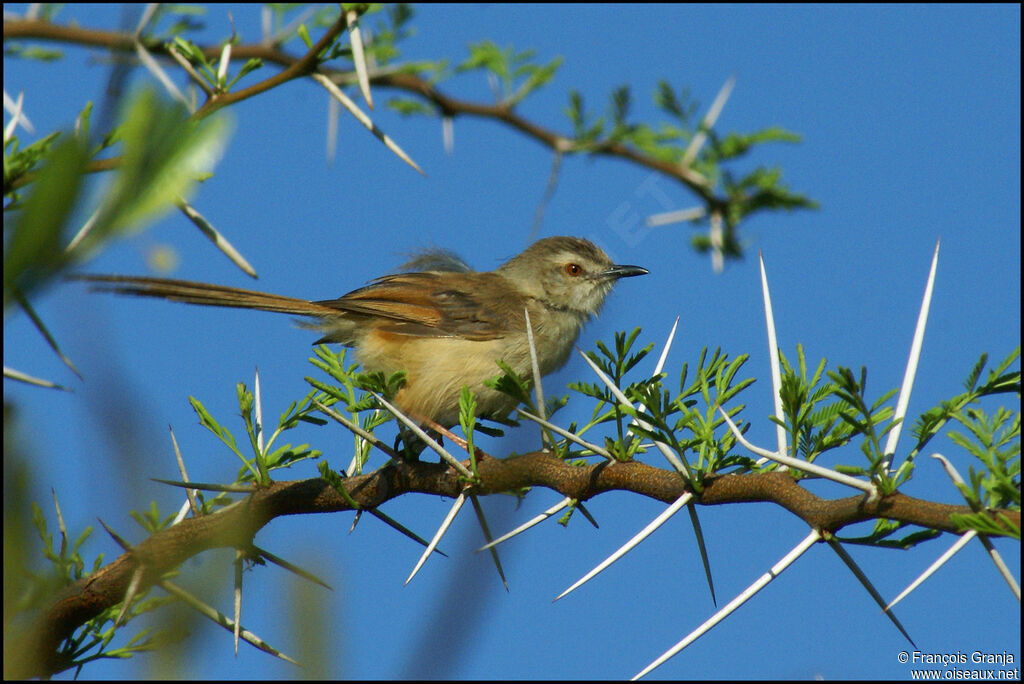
x=474, y=306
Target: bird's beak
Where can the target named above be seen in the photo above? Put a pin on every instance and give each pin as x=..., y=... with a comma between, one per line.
x=617, y=271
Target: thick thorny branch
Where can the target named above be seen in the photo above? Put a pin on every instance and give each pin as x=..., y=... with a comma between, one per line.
x=237, y=525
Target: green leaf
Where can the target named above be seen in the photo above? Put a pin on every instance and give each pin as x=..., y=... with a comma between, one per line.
x=408, y=107
x=250, y=65
x=981, y=522
x=467, y=420
x=13, y=50
x=886, y=528
x=681, y=108
x=487, y=55
x=164, y=151
x=19, y=162
x=511, y=384
x=736, y=144
x=304, y=35
x=35, y=248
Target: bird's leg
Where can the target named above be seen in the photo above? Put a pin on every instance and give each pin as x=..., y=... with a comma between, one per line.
x=437, y=427
x=413, y=445
x=463, y=444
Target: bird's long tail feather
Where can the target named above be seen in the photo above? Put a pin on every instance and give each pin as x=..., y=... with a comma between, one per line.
x=204, y=294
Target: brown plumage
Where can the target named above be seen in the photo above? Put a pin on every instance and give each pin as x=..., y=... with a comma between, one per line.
x=445, y=328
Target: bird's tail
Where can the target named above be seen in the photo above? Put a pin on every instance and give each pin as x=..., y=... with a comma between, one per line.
x=204, y=294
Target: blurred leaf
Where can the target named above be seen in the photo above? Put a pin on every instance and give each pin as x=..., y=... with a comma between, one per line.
x=762, y=188
x=18, y=162
x=737, y=144
x=164, y=151
x=35, y=52
x=34, y=250
x=249, y=66
x=682, y=107
x=407, y=107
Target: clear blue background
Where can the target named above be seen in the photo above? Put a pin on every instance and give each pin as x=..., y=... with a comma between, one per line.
x=911, y=125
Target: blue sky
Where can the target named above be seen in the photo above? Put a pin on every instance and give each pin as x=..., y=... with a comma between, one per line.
x=910, y=118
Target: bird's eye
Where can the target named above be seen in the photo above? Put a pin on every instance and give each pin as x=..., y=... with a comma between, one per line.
x=573, y=270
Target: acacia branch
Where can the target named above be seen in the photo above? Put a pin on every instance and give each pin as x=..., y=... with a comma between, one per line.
x=295, y=67
x=236, y=526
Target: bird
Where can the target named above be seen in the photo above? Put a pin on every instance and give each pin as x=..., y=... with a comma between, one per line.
x=446, y=326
